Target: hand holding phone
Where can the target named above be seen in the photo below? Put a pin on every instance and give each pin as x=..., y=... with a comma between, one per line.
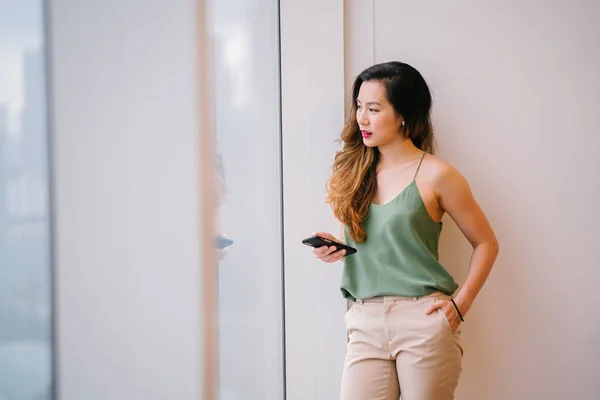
x=327, y=248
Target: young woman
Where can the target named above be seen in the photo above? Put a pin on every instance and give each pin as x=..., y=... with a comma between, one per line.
x=390, y=193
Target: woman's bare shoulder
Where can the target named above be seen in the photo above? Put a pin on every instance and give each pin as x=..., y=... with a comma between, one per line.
x=436, y=166
x=437, y=171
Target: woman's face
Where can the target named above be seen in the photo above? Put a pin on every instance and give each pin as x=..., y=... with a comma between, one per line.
x=378, y=121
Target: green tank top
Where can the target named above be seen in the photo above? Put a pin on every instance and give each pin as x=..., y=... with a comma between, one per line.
x=400, y=255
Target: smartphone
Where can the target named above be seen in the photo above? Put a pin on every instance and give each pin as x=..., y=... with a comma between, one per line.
x=319, y=241
x=223, y=242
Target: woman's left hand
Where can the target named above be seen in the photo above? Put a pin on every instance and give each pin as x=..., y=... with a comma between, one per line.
x=449, y=311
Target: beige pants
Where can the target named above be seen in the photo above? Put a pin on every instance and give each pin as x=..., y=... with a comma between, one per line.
x=395, y=349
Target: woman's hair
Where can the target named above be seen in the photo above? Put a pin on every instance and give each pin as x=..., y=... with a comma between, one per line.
x=353, y=182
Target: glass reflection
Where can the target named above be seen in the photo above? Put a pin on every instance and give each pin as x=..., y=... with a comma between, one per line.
x=248, y=144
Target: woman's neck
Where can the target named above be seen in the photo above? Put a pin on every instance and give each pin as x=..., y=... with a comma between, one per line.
x=397, y=152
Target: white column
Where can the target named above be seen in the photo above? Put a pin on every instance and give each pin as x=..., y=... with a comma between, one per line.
x=128, y=200
x=312, y=34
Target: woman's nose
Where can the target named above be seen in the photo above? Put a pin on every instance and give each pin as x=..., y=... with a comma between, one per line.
x=362, y=120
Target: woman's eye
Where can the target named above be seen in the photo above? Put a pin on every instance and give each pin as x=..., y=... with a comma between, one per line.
x=373, y=110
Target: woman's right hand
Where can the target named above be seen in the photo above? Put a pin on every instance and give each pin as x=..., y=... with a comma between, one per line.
x=328, y=254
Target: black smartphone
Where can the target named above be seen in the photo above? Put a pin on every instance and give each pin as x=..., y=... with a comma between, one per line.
x=319, y=241
x=223, y=242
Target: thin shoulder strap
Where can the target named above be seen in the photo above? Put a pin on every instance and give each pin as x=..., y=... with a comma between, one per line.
x=420, y=162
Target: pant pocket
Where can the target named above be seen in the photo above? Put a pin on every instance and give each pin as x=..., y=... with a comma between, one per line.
x=445, y=321
x=347, y=316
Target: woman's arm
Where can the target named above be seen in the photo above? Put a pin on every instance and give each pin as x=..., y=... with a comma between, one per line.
x=455, y=197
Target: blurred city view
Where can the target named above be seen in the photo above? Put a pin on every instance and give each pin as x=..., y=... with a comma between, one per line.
x=25, y=271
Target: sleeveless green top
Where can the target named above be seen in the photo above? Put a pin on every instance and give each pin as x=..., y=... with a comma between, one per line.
x=400, y=255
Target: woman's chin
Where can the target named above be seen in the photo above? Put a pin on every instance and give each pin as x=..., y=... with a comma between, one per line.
x=369, y=142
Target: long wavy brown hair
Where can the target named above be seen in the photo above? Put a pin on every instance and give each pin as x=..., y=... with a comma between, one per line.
x=353, y=182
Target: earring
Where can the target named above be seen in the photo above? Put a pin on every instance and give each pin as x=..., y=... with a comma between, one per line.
x=403, y=123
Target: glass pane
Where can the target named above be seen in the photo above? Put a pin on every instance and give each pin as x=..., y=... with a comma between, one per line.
x=248, y=144
x=25, y=284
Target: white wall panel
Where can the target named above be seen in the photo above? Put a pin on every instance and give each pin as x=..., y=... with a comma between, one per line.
x=313, y=115
x=516, y=95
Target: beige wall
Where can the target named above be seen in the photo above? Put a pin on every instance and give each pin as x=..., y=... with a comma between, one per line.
x=517, y=97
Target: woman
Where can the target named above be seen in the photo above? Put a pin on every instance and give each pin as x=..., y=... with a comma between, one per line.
x=390, y=193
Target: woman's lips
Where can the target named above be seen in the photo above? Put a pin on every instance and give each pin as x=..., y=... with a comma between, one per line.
x=365, y=134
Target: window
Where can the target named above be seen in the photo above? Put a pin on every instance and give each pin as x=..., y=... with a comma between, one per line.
x=25, y=262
